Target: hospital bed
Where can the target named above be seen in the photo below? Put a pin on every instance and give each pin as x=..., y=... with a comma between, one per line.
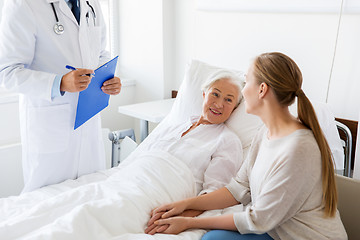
x=108, y=204
x=347, y=140
x=118, y=142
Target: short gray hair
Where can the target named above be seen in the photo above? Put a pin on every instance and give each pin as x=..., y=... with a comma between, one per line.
x=235, y=78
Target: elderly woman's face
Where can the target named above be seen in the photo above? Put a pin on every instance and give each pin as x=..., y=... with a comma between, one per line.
x=219, y=101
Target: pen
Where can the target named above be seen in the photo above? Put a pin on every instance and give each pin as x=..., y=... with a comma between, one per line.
x=72, y=68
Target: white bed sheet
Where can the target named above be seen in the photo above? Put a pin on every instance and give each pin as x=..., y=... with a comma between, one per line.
x=114, y=206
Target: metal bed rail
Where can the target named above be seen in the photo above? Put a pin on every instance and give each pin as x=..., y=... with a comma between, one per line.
x=116, y=137
x=347, y=147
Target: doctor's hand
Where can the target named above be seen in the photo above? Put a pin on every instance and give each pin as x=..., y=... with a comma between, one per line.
x=76, y=81
x=112, y=86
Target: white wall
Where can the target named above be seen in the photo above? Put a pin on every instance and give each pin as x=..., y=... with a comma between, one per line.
x=232, y=39
x=344, y=87
x=185, y=19
x=141, y=46
x=110, y=118
x=159, y=37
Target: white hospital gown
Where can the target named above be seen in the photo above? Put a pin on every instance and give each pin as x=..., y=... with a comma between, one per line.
x=212, y=151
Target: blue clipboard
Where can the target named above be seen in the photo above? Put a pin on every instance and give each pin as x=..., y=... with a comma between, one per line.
x=93, y=100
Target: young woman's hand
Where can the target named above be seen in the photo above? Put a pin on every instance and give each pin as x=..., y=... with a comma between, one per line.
x=153, y=217
x=173, y=225
x=171, y=209
x=152, y=228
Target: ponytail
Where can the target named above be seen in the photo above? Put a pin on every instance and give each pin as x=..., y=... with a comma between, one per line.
x=307, y=116
x=283, y=75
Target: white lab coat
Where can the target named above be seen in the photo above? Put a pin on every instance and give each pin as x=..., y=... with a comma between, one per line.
x=31, y=55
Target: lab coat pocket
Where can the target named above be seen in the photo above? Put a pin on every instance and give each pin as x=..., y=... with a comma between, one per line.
x=48, y=128
x=94, y=35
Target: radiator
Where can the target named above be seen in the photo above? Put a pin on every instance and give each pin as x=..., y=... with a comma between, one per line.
x=11, y=177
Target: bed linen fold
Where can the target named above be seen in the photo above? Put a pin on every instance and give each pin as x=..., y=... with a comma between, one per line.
x=117, y=207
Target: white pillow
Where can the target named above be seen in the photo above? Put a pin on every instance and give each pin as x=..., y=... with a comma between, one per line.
x=189, y=101
x=244, y=125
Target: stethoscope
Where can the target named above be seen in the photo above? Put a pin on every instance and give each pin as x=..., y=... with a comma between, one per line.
x=59, y=28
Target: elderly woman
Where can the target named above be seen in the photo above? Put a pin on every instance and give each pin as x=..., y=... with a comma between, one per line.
x=205, y=143
x=188, y=159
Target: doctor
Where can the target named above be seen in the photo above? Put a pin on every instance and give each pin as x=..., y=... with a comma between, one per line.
x=38, y=38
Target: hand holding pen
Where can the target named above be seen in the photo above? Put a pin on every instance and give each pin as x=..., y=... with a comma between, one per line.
x=76, y=80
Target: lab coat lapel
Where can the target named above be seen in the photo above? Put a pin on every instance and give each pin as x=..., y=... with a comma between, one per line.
x=65, y=10
x=83, y=10
x=84, y=38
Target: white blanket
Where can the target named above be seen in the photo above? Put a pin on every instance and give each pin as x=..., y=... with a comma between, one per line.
x=115, y=208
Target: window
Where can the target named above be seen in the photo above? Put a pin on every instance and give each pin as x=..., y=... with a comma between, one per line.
x=106, y=12
x=2, y=90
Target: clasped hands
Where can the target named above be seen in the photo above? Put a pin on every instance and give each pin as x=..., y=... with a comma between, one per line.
x=170, y=219
x=79, y=79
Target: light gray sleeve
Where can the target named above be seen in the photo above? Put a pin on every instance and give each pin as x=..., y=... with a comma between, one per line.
x=287, y=187
x=239, y=186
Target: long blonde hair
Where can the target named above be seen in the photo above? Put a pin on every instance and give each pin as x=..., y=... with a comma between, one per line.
x=284, y=77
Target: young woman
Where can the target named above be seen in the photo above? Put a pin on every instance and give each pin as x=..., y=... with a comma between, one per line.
x=287, y=183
